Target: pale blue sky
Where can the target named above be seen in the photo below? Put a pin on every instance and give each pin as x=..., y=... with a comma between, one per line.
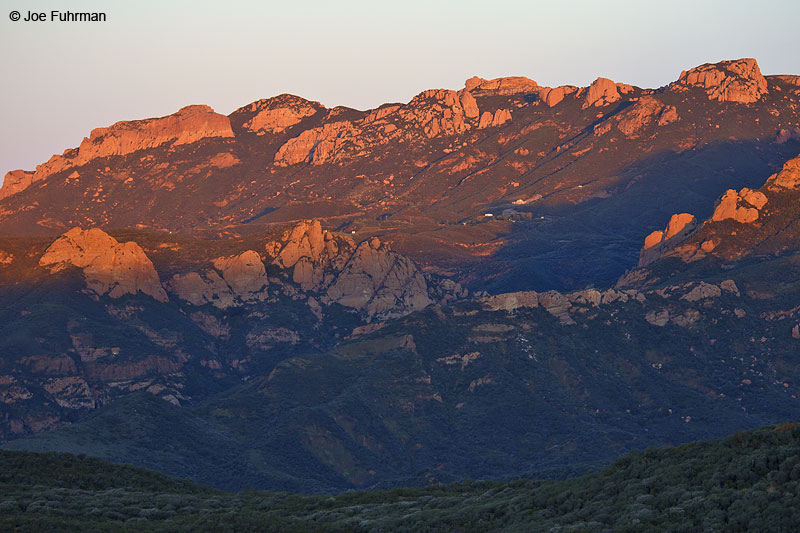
x=153, y=57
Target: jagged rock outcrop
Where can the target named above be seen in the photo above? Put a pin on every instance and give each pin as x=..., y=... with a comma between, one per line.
x=110, y=267
x=274, y=115
x=603, y=92
x=6, y=258
x=737, y=81
x=658, y=242
x=379, y=282
x=322, y=268
x=368, y=277
x=742, y=206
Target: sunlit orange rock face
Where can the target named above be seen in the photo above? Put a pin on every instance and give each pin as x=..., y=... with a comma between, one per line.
x=603, y=92
x=658, y=242
x=15, y=181
x=110, y=267
x=742, y=206
x=274, y=115
x=728, y=81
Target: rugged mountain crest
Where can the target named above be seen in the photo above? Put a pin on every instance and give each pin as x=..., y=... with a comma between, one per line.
x=189, y=125
x=110, y=267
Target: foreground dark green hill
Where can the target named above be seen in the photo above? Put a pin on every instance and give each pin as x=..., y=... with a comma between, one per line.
x=749, y=481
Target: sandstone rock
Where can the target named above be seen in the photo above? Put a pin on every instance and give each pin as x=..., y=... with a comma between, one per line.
x=557, y=305
x=15, y=181
x=603, y=92
x=368, y=277
x=511, y=301
x=469, y=105
x=743, y=206
x=71, y=392
x=660, y=241
x=274, y=115
x=643, y=113
x=473, y=82
x=788, y=178
x=202, y=289
x=245, y=275
x=238, y=279
x=500, y=117
x=658, y=318
x=317, y=145
x=508, y=85
x=110, y=267
x=553, y=96
x=380, y=283
x=6, y=258
x=728, y=81
x=730, y=286
x=702, y=291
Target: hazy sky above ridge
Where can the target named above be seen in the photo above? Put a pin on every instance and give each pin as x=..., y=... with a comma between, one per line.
x=152, y=57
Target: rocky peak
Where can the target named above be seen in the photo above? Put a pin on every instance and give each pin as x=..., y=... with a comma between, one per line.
x=274, y=115
x=110, y=267
x=738, y=81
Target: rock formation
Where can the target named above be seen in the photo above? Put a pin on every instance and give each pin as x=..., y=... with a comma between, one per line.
x=6, y=258
x=110, y=267
x=644, y=113
x=658, y=242
x=788, y=178
x=234, y=280
x=368, y=277
x=737, y=81
x=603, y=92
x=15, y=181
x=742, y=206
x=274, y=115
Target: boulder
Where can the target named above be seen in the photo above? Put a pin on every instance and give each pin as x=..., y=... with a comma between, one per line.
x=110, y=267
